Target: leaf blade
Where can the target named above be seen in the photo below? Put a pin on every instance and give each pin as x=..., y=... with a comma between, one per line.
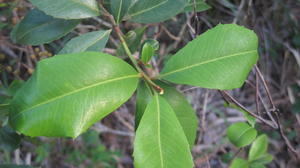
x=241, y=134
x=184, y=112
x=239, y=163
x=119, y=9
x=68, y=9
x=225, y=68
x=54, y=87
x=145, y=11
x=92, y=41
x=38, y=28
x=199, y=6
x=259, y=147
x=153, y=138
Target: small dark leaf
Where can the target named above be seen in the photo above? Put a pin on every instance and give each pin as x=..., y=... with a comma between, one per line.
x=9, y=140
x=38, y=28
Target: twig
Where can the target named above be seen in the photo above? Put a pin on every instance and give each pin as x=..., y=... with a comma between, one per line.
x=286, y=140
x=233, y=100
x=128, y=52
x=265, y=86
x=104, y=129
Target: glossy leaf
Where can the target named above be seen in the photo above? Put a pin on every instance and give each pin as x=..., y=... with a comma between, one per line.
x=258, y=148
x=93, y=41
x=185, y=114
x=68, y=9
x=221, y=58
x=160, y=141
x=239, y=163
x=143, y=97
x=241, y=134
x=119, y=8
x=68, y=93
x=145, y=11
x=38, y=28
x=183, y=110
x=197, y=6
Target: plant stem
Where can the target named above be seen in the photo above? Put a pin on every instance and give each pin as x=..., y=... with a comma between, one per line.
x=128, y=52
x=133, y=60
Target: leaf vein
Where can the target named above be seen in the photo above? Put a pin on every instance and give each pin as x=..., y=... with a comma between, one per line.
x=148, y=9
x=158, y=132
x=76, y=91
x=206, y=62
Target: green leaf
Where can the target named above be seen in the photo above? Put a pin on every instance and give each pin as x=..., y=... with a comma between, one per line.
x=9, y=140
x=221, y=58
x=257, y=166
x=143, y=97
x=14, y=87
x=37, y=28
x=160, y=141
x=148, y=50
x=241, y=134
x=68, y=9
x=13, y=33
x=199, y=6
x=93, y=41
x=263, y=159
x=14, y=166
x=239, y=163
x=145, y=11
x=183, y=110
x=185, y=114
x=259, y=147
x=119, y=8
x=68, y=93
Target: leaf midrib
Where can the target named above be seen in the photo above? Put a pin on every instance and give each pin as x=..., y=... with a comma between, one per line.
x=158, y=132
x=206, y=62
x=97, y=40
x=119, y=11
x=148, y=9
x=75, y=91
